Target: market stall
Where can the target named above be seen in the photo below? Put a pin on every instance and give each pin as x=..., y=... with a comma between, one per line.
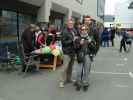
x=50, y=56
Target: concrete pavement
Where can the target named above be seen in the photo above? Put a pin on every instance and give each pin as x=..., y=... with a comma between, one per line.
x=111, y=78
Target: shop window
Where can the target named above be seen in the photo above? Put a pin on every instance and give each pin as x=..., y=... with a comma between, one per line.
x=8, y=27
x=57, y=19
x=24, y=21
x=8, y=36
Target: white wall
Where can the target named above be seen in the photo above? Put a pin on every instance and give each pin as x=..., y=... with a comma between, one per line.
x=72, y=5
x=63, y=6
x=89, y=7
x=33, y=2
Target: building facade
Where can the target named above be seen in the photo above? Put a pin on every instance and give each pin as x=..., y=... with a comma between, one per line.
x=74, y=8
x=124, y=15
x=15, y=15
x=109, y=21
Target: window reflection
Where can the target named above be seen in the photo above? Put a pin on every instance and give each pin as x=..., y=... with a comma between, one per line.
x=8, y=27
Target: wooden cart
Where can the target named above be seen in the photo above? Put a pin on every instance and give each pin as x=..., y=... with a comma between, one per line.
x=54, y=61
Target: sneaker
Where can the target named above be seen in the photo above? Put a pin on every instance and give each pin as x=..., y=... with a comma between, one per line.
x=85, y=87
x=75, y=84
x=78, y=87
x=61, y=84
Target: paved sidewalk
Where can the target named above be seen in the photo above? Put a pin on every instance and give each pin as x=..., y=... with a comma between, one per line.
x=111, y=79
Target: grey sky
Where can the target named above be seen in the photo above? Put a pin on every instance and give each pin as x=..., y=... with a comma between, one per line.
x=110, y=6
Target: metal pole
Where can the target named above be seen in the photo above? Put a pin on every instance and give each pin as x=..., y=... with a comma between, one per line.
x=18, y=36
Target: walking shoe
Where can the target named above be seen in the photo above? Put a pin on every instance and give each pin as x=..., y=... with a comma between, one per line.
x=85, y=87
x=78, y=87
x=61, y=84
x=75, y=84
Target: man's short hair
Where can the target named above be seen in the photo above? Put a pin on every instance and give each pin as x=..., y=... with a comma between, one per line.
x=87, y=16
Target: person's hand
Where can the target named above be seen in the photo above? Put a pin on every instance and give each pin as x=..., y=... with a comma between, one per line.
x=43, y=45
x=82, y=42
x=93, y=43
x=76, y=37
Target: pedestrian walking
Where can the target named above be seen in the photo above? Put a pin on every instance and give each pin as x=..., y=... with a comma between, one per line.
x=84, y=62
x=105, y=38
x=92, y=31
x=112, y=36
x=129, y=42
x=68, y=37
x=123, y=41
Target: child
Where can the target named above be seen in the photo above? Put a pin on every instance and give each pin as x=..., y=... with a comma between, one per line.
x=82, y=46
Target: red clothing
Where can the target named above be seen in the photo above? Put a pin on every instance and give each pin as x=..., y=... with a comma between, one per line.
x=40, y=39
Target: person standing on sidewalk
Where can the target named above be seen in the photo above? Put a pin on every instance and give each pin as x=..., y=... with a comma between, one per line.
x=123, y=41
x=129, y=41
x=28, y=42
x=68, y=37
x=105, y=38
x=78, y=25
x=112, y=36
x=84, y=62
x=92, y=31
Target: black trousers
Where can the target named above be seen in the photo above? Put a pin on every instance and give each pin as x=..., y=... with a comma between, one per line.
x=123, y=45
x=112, y=42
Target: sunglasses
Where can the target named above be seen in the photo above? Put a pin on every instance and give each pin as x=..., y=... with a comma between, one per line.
x=83, y=29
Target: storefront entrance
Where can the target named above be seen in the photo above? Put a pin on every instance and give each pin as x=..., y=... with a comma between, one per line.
x=57, y=19
x=13, y=21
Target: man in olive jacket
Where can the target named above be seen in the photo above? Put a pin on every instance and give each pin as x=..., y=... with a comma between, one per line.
x=68, y=37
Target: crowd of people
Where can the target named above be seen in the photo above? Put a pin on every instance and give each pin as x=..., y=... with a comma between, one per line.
x=83, y=43
x=79, y=40
x=108, y=36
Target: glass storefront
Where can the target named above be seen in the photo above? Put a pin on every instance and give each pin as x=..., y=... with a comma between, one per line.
x=8, y=27
x=57, y=19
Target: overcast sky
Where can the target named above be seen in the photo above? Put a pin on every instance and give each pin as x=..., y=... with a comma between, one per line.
x=110, y=6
